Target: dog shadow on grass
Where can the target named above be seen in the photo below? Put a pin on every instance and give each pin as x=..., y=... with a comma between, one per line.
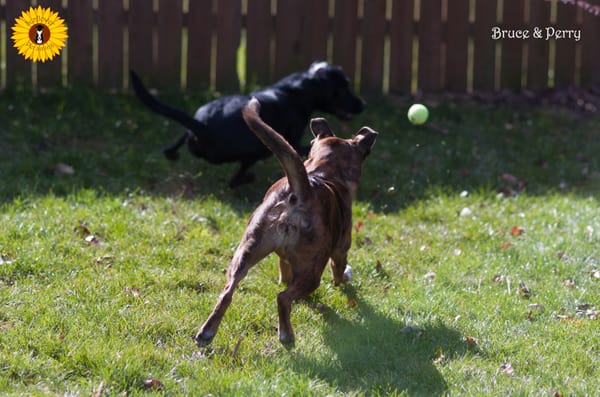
x=375, y=355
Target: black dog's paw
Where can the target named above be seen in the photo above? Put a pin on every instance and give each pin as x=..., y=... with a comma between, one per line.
x=241, y=179
x=171, y=154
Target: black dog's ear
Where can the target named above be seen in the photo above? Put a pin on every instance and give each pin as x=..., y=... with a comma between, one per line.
x=320, y=128
x=365, y=138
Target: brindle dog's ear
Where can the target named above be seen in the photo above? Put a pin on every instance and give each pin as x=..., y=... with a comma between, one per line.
x=320, y=128
x=365, y=138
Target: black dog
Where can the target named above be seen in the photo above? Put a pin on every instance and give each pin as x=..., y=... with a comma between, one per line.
x=218, y=133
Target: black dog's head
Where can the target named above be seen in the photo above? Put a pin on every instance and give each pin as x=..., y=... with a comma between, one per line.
x=332, y=91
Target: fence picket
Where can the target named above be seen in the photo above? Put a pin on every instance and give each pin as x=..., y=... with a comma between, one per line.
x=401, y=47
x=373, y=33
x=538, y=50
x=590, y=60
x=18, y=70
x=141, y=36
x=484, y=58
x=512, y=48
x=288, y=37
x=457, y=40
x=79, y=19
x=345, y=30
x=430, y=46
x=49, y=73
x=200, y=30
x=110, y=44
x=170, y=22
x=316, y=31
x=229, y=23
x=258, y=43
x=566, y=18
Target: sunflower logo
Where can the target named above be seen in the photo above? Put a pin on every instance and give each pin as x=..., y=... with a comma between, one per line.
x=39, y=34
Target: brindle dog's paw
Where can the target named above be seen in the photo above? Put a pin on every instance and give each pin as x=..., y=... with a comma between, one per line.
x=288, y=341
x=203, y=338
x=347, y=274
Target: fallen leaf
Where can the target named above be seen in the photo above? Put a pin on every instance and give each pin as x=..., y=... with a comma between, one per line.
x=506, y=245
x=563, y=256
x=6, y=258
x=153, y=384
x=438, y=356
x=92, y=240
x=63, y=169
x=569, y=283
x=469, y=340
x=367, y=241
x=498, y=278
x=133, y=291
x=236, y=348
x=516, y=231
x=105, y=260
x=352, y=303
x=509, y=178
x=536, y=306
x=507, y=369
x=99, y=390
x=82, y=230
x=358, y=226
x=524, y=290
x=412, y=328
x=429, y=275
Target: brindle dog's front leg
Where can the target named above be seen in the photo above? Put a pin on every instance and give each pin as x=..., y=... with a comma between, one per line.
x=252, y=249
x=339, y=266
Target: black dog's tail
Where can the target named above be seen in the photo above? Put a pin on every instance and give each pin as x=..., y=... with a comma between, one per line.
x=155, y=105
x=285, y=153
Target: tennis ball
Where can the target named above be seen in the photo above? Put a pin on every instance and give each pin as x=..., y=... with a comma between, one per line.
x=418, y=114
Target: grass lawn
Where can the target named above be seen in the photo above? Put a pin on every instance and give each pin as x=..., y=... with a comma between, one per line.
x=476, y=258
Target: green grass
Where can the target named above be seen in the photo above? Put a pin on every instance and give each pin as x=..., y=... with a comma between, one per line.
x=106, y=273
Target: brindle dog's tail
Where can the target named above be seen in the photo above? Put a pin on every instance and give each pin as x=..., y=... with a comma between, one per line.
x=155, y=105
x=285, y=153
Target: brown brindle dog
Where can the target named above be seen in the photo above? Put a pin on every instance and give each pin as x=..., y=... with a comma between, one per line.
x=305, y=217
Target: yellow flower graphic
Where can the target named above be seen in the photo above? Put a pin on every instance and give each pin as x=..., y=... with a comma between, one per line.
x=39, y=34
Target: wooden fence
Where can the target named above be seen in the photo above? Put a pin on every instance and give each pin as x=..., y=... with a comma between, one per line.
x=385, y=46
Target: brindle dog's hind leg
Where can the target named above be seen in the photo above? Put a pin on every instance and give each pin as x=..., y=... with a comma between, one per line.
x=253, y=248
x=301, y=286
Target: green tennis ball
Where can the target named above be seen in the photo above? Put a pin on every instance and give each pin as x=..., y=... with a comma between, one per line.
x=418, y=114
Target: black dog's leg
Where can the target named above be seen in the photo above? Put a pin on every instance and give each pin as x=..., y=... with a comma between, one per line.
x=171, y=152
x=243, y=175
